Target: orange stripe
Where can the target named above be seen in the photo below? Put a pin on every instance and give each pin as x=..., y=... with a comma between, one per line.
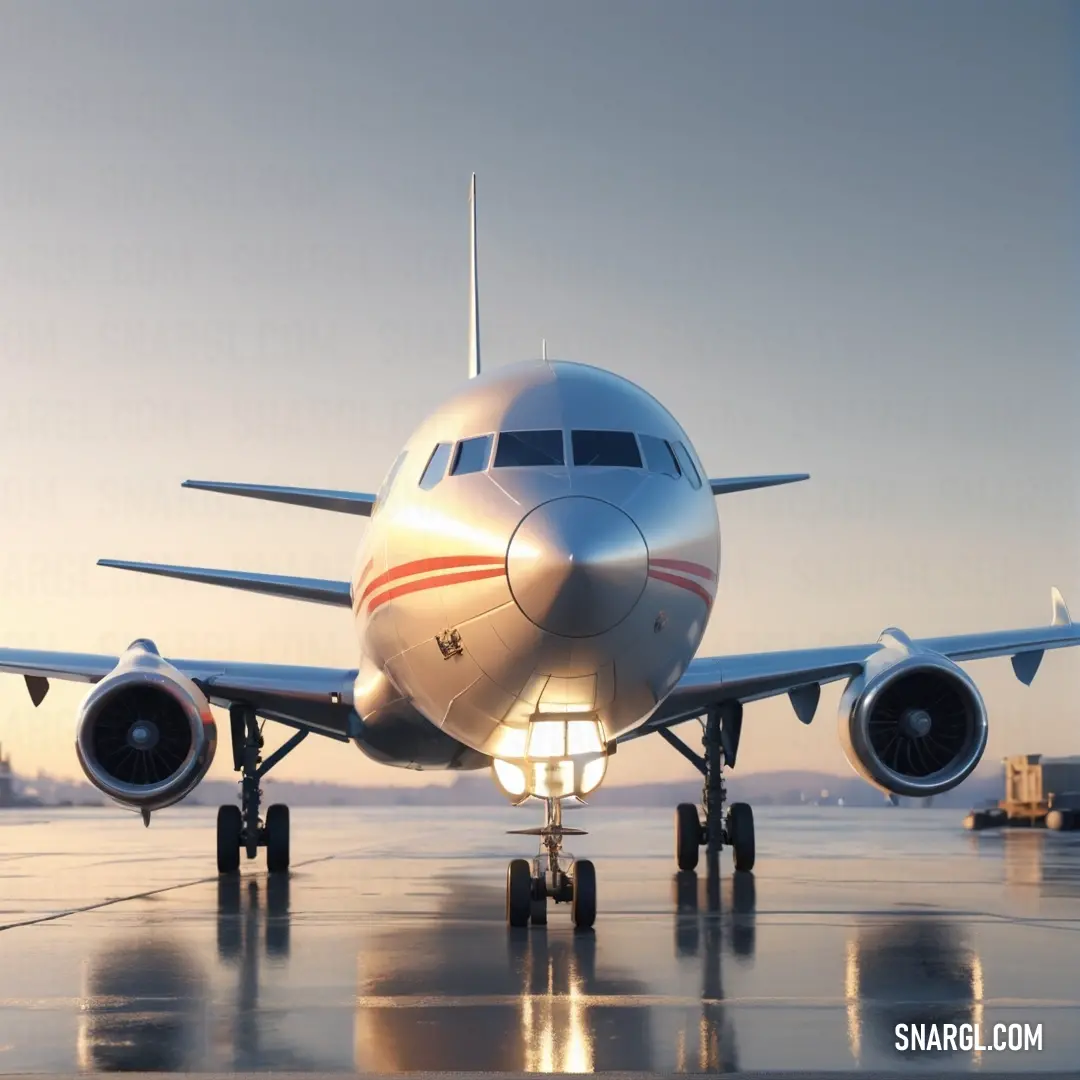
x=682, y=583
x=422, y=566
x=433, y=583
x=686, y=567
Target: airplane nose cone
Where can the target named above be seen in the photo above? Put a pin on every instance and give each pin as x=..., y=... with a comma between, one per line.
x=577, y=566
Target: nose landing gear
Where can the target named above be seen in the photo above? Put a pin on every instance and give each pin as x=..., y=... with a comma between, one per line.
x=720, y=739
x=553, y=874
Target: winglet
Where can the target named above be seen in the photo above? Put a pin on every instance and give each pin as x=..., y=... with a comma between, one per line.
x=1060, y=610
x=474, y=298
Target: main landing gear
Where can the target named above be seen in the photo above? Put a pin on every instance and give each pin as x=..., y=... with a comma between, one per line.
x=720, y=739
x=553, y=874
x=241, y=827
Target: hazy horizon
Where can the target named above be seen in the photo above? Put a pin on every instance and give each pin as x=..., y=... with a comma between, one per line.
x=832, y=237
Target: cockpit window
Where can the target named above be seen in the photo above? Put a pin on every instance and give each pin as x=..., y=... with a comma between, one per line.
x=617, y=448
x=517, y=448
x=388, y=483
x=659, y=457
x=436, y=466
x=687, y=465
x=471, y=455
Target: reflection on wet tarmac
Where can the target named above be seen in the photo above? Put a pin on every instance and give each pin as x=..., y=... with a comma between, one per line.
x=736, y=896
x=914, y=969
x=147, y=1004
x=512, y=1001
x=253, y=923
x=1047, y=860
x=708, y=1045
x=239, y=925
x=143, y=1009
x=370, y=962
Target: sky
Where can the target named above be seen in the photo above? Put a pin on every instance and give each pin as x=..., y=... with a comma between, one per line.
x=833, y=237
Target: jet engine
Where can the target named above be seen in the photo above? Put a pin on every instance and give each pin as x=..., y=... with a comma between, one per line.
x=912, y=723
x=145, y=735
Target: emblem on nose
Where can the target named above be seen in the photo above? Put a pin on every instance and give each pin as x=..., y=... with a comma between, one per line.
x=577, y=566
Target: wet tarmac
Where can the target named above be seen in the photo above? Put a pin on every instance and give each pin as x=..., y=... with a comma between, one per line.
x=385, y=949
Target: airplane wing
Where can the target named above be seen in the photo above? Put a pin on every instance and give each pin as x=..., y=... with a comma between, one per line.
x=711, y=681
x=309, y=698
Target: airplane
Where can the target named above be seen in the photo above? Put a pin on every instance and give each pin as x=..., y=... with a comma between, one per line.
x=539, y=567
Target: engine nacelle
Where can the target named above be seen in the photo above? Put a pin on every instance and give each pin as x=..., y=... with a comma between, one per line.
x=145, y=735
x=913, y=723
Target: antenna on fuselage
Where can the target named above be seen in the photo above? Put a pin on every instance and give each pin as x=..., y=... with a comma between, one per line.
x=474, y=299
x=543, y=348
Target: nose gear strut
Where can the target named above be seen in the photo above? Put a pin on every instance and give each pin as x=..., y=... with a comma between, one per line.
x=553, y=874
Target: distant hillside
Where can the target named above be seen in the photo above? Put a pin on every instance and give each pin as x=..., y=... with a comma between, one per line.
x=788, y=788
x=796, y=787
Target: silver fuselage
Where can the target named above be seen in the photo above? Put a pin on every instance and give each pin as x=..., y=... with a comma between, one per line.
x=485, y=599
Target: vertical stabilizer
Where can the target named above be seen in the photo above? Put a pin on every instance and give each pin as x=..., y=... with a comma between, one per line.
x=474, y=297
x=543, y=348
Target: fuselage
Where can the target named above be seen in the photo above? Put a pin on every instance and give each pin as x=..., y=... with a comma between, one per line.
x=546, y=543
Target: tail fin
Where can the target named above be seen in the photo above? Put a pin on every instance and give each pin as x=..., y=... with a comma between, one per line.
x=474, y=299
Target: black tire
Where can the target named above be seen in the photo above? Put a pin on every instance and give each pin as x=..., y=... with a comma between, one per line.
x=229, y=827
x=518, y=893
x=277, y=838
x=583, y=905
x=740, y=833
x=687, y=836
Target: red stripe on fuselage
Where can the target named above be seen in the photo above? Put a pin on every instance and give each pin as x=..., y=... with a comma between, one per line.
x=686, y=567
x=682, y=583
x=434, y=582
x=424, y=566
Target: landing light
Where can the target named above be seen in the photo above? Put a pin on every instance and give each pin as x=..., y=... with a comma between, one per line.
x=562, y=758
x=547, y=739
x=592, y=773
x=510, y=777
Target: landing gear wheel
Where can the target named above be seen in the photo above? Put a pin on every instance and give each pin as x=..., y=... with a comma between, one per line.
x=740, y=835
x=518, y=893
x=229, y=829
x=583, y=905
x=687, y=836
x=277, y=838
